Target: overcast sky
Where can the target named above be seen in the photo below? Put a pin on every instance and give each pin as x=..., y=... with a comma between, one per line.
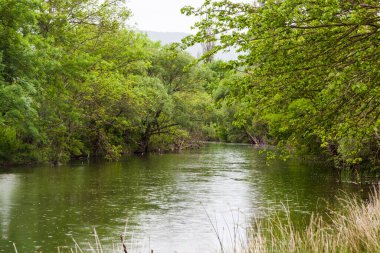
x=162, y=15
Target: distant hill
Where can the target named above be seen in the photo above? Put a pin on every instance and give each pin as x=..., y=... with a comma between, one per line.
x=172, y=37
x=166, y=37
x=196, y=51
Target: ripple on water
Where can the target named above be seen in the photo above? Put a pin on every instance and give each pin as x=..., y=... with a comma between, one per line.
x=171, y=201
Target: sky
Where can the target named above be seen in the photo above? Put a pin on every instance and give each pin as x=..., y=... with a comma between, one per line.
x=162, y=15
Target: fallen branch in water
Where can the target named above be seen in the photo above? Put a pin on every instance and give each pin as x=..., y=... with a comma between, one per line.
x=122, y=239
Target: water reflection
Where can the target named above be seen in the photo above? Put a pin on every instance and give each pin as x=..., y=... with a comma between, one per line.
x=8, y=183
x=172, y=202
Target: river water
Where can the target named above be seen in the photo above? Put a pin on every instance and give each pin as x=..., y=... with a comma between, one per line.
x=170, y=202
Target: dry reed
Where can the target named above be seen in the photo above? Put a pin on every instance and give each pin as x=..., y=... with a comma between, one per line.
x=355, y=228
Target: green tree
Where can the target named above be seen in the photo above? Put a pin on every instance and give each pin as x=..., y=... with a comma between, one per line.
x=310, y=69
x=171, y=107
x=18, y=82
x=75, y=34
x=75, y=81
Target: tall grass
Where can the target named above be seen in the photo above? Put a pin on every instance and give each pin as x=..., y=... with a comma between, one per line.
x=355, y=228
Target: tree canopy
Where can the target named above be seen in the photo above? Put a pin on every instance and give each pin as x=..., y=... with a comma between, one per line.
x=76, y=81
x=310, y=69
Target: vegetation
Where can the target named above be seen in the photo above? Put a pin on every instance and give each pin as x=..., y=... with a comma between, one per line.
x=353, y=229
x=307, y=73
x=75, y=81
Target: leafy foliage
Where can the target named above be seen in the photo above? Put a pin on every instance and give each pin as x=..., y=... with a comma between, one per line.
x=310, y=70
x=75, y=81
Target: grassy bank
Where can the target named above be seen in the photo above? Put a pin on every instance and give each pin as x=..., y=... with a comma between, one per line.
x=355, y=228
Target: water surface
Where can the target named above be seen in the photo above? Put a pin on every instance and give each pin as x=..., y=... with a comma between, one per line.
x=170, y=202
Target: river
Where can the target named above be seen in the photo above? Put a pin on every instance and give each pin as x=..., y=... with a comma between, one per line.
x=170, y=202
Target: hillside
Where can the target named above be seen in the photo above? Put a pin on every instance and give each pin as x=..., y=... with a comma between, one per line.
x=196, y=51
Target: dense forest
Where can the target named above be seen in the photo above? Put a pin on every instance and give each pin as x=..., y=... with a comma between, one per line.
x=309, y=73
x=76, y=81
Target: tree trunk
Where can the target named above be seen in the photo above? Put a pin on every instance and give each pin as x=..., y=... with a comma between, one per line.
x=144, y=144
